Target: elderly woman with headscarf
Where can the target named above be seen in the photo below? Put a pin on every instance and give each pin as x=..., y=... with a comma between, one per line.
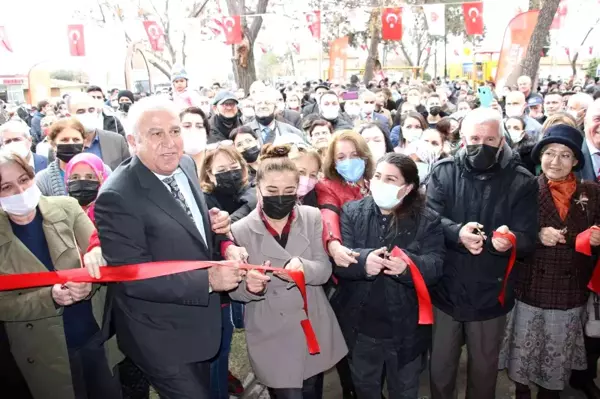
x=544, y=338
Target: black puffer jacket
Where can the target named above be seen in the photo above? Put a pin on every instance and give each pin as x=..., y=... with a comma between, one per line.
x=420, y=235
x=505, y=195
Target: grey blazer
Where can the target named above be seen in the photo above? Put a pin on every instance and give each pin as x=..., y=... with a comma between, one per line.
x=114, y=148
x=276, y=342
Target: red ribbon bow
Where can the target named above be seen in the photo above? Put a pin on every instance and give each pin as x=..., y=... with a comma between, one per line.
x=423, y=298
x=511, y=262
x=148, y=270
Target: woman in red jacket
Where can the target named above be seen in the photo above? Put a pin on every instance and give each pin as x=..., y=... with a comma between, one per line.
x=347, y=168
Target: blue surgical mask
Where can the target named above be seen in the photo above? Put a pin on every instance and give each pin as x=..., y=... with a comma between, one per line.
x=351, y=170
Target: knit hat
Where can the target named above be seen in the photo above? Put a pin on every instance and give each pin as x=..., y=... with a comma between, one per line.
x=561, y=134
x=126, y=93
x=178, y=72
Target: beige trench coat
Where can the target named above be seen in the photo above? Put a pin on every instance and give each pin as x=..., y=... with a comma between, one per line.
x=33, y=323
x=276, y=342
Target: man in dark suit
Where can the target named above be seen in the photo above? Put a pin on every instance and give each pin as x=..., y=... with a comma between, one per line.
x=15, y=137
x=584, y=379
x=152, y=209
x=108, y=146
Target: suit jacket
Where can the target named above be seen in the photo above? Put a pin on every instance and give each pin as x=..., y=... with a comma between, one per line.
x=283, y=132
x=40, y=162
x=276, y=342
x=587, y=172
x=170, y=320
x=114, y=148
x=379, y=118
x=34, y=324
x=291, y=117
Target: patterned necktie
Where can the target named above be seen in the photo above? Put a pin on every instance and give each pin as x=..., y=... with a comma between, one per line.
x=266, y=133
x=178, y=195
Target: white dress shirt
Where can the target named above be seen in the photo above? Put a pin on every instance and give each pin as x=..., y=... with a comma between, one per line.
x=595, y=155
x=186, y=190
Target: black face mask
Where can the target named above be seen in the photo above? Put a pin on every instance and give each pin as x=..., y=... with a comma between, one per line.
x=124, y=107
x=228, y=122
x=265, y=120
x=279, y=206
x=84, y=191
x=482, y=157
x=65, y=152
x=251, y=154
x=229, y=182
x=435, y=111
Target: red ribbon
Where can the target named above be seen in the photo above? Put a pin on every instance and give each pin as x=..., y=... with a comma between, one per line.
x=423, y=298
x=148, y=270
x=584, y=246
x=511, y=262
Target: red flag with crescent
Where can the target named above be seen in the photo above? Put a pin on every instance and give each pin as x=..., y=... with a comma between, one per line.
x=4, y=40
x=313, y=19
x=560, y=16
x=473, y=13
x=391, y=24
x=155, y=35
x=76, y=40
x=232, y=29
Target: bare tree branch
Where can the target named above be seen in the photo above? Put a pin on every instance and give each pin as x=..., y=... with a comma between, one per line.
x=197, y=10
x=261, y=8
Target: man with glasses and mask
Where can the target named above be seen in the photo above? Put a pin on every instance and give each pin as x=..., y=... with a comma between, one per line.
x=226, y=117
x=110, y=122
x=108, y=146
x=266, y=127
x=483, y=189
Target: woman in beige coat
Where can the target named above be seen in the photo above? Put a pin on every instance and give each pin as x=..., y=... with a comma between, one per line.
x=53, y=332
x=288, y=236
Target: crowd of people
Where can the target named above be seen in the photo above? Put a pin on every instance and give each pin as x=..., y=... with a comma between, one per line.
x=328, y=179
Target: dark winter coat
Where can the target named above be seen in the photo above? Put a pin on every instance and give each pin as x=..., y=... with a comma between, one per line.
x=504, y=195
x=557, y=277
x=420, y=235
x=112, y=124
x=238, y=206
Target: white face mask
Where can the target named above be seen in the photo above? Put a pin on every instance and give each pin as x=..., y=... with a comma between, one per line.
x=516, y=136
x=330, y=113
x=385, y=195
x=352, y=110
x=411, y=135
x=21, y=148
x=377, y=150
x=22, y=204
x=90, y=121
x=368, y=108
x=194, y=141
x=573, y=113
x=514, y=111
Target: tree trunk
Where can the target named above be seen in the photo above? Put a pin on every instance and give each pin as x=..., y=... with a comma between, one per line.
x=574, y=64
x=373, y=47
x=531, y=62
x=244, y=70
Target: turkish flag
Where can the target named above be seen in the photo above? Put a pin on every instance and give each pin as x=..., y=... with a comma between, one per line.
x=391, y=24
x=296, y=47
x=473, y=13
x=76, y=40
x=4, y=40
x=232, y=29
x=313, y=19
x=559, y=17
x=155, y=34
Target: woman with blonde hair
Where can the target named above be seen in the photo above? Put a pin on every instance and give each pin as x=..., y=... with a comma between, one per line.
x=309, y=164
x=559, y=118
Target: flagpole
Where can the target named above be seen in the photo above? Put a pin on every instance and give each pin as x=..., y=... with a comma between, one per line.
x=320, y=43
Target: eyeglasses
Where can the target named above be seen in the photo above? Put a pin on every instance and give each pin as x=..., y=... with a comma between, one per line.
x=219, y=144
x=563, y=156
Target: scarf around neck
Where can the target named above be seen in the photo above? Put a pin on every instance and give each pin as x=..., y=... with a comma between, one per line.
x=562, y=192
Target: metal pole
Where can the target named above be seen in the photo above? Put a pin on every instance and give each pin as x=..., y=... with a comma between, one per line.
x=320, y=46
x=445, y=56
x=435, y=71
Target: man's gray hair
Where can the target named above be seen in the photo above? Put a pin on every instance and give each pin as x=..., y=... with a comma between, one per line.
x=15, y=127
x=481, y=115
x=583, y=99
x=144, y=106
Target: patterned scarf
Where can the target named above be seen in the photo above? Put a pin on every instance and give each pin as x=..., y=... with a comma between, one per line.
x=562, y=192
